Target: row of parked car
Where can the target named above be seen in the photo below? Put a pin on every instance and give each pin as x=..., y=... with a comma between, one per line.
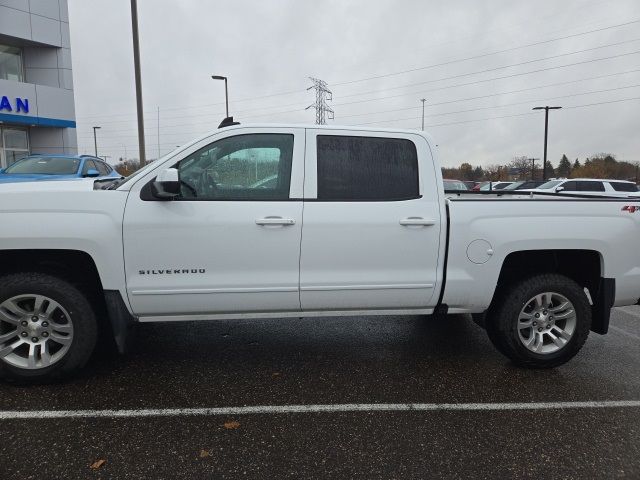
x=485, y=186
x=57, y=167
x=581, y=186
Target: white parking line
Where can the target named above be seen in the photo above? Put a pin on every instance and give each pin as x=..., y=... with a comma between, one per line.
x=348, y=407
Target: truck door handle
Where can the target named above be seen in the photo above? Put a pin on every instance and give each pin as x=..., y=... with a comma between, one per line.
x=416, y=221
x=275, y=221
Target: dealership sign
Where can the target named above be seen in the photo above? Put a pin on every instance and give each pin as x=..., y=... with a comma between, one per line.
x=19, y=105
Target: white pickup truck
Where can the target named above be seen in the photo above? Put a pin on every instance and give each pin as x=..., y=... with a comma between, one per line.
x=266, y=221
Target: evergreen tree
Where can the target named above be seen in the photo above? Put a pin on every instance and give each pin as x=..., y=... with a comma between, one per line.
x=576, y=164
x=564, y=167
x=549, y=170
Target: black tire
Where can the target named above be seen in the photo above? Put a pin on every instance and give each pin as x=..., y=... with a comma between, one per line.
x=85, y=327
x=502, y=320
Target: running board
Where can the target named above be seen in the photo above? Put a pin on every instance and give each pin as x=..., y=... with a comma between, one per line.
x=298, y=314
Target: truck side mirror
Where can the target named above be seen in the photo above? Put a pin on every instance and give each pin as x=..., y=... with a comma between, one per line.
x=559, y=189
x=92, y=173
x=167, y=184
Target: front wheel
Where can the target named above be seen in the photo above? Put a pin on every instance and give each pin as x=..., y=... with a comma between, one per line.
x=541, y=322
x=47, y=328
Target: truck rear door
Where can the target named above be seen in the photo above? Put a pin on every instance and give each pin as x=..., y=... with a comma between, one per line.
x=372, y=222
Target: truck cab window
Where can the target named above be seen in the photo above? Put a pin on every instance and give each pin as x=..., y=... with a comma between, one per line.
x=366, y=168
x=244, y=167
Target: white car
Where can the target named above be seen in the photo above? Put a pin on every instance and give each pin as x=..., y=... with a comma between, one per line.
x=355, y=222
x=589, y=186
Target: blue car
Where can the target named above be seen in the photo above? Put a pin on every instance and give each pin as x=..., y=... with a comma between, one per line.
x=35, y=168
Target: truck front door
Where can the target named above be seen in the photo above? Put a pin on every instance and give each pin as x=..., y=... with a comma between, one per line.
x=231, y=241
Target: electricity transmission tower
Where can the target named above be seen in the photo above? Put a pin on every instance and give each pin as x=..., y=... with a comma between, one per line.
x=322, y=95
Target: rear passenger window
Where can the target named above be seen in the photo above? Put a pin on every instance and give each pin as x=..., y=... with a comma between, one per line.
x=624, y=187
x=366, y=168
x=591, y=186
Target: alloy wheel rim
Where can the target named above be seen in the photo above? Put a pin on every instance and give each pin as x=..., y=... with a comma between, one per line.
x=35, y=331
x=547, y=323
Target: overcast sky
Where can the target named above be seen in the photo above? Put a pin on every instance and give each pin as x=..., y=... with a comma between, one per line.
x=269, y=48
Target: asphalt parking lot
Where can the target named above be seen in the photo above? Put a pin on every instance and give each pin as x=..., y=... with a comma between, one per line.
x=369, y=361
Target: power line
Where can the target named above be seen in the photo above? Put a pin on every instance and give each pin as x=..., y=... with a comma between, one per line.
x=120, y=147
x=475, y=82
x=495, y=94
x=502, y=67
x=450, y=62
x=499, y=117
x=291, y=92
x=592, y=92
x=247, y=99
x=212, y=114
x=531, y=101
x=191, y=124
x=602, y=103
x=454, y=112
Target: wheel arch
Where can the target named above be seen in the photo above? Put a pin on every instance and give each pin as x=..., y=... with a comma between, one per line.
x=585, y=267
x=78, y=268
x=75, y=266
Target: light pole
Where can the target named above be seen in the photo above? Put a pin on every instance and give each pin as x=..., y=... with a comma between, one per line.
x=226, y=91
x=136, y=67
x=423, y=100
x=95, y=141
x=546, y=131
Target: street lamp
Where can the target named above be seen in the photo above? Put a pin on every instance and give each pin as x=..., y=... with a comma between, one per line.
x=95, y=141
x=226, y=91
x=546, y=130
x=423, y=100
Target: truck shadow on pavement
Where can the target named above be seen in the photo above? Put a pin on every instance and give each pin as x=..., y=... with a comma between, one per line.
x=390, y=359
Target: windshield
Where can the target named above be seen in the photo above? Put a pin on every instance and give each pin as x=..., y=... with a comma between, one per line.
x=149, y=166
x=45, y=166
x=135, y=174
x=513, y=186
x=551, y=184
x=454, y=185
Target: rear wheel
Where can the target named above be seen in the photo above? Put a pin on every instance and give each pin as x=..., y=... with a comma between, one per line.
x=47, y=328
x=541, y=322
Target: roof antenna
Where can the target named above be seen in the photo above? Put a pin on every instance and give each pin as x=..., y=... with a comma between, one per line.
x=227, y=122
